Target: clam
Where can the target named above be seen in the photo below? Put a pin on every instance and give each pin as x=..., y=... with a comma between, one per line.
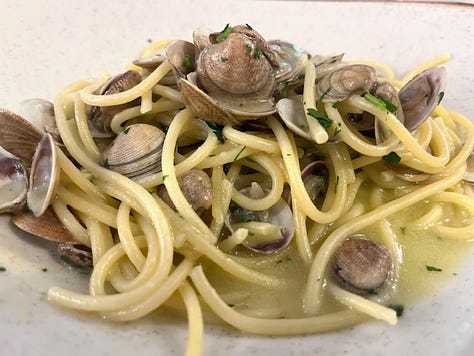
x=361, y=265
x=325, y=65
x=100, y=117
x=46, y=226
x=13, y=183
x=41, y=113
x=291, y=111
x=408, y=174
x=197, y=189
x=136, y=151
x=268, y=230
x=76, y=256
x=349, y=80
x=420, y=96
x=44, y=176
x=18, y=136
x=315, y=178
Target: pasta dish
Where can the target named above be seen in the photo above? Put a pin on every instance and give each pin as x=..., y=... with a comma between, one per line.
x=284, y=192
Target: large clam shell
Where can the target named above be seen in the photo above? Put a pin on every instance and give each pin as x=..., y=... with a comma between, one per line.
x=136, y=151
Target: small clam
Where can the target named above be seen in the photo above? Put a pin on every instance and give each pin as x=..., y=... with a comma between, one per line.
x=46, y=226
x=420, y=96
x=292, y=113
x=18, y=136
x=44, y=176
x=100, y=117
x=41, y=113
x=361, y=265
x=349, y=80
x=136, y=151
x=324, y=65
x=76, y=256
x=315, y=178
x=182, y=56
x=268, y=230
x=13, y=183
x=197, y=189
x=388, y=93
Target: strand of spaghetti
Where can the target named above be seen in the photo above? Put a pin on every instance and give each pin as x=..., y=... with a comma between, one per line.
x=130, y=113
x=144, y=199
x=167, y=92
x=311, y=297
x=272, y=196
x=156, y=297
x=195, y=319
x=252, y=141
x=154, y=47
x=146, y=102
x=287, y=326
x=80, y=179
x=290, y=158
x=360, y=304
x=301, y=234
x=431, y=217
x=125, y=235
x=226, y=155
x=316, y=131
x=70, y=222
x=403, y=134
x=441, y=59
x=80, y=116
x=355, y=140
x=390, y=239
x=99, y=235
x=221, y=259
x=171, y=181
x=127, y=95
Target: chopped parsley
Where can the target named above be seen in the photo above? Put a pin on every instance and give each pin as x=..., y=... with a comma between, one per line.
x=440, y=97
x=224, y=59
x=250, y=159
x=217, y=131
x=44, y=269
x=336, y=184
x=380, y=103
x=372, y=292
x=323, y=120
x=286, y=259
x=403, y=229
x=126, y=130
x=231, y=305
x=335, y=105
x=2, y=269
x=224, y=33
x=248, y=48
x=106, y=164
x=392, y=157
x=433, y=269
x=188, y=63
x=164, y=177
x=321, y=98
x=399, y=308
x=240, y=152
x=257, y=53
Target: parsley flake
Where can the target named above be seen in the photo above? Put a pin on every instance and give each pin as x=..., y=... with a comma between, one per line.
x=217, y=131
x=248, y=48
x=323, y=120
x=257, y=53
x=106, y=164
x=321, y=98
x=433, y=269
x=224, y=33
x=240, y=152
x=399, y=308
x=2, y=269
x=188, y=63
x=164, y=177
x=44, y=269
x=224, y=59
x=440, y=97
x=392, y=157
x=380, y=103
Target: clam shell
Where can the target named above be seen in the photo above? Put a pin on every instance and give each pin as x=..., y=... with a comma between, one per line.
x=44, y=176
x=13, y=183
x=361, y=265
x=136, y=151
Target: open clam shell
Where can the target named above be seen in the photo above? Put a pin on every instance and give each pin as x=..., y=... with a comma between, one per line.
x=13, y=183
x=44, y=176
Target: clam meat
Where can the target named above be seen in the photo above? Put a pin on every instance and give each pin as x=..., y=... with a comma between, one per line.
x=13, y=183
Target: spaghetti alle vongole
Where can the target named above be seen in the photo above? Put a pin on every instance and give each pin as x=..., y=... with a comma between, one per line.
x=261, y=243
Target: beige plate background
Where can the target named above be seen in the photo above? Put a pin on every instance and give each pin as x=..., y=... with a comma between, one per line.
x=48, y=44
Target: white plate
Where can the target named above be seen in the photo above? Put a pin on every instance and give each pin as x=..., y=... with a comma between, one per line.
x=48, y=44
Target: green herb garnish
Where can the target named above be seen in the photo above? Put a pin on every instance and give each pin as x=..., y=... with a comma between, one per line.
x=106, y=164
x=440, y=97
x=403, y=229
x=240, y=152
x=44, y=269
x=399, y=308
x=257, y=53
x=217, y=131
x=321, y=98
x=126, y=130
x=248, y=48
x=250, y=159
x=2, y=269
x=392, y=157
x=433, y=269
x=224, y=33
x=323, y=120
x=335, y=105
x=380, y=103
x=224, y=59
x=336, y=184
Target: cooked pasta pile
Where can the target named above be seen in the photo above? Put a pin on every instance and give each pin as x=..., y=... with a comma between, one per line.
x=148, y=254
